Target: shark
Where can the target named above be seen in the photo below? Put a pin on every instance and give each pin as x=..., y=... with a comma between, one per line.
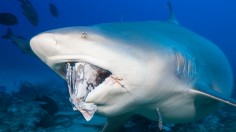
x=159, y=70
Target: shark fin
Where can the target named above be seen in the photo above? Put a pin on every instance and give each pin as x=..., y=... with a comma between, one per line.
x=208, y=91
x=172, y=18
x=115, y=122
x=8, y=34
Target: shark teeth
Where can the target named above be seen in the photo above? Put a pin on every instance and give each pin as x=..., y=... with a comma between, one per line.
x=82, y=78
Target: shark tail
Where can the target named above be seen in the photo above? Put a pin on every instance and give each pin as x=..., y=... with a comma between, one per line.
x=8, y=34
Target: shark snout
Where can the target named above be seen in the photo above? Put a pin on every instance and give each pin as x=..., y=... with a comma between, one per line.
x=44, y=45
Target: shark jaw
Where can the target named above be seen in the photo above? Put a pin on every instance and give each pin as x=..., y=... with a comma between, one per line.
x=85, y=81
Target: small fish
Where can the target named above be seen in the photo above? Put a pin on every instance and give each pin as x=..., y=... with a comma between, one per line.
x=53, y=10
x=8, y=19
x=29, y=12
x=19, y=41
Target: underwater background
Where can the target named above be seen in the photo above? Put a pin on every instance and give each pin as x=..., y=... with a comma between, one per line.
x=27, y=85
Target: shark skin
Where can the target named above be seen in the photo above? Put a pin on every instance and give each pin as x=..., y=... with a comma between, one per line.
x=154, y=65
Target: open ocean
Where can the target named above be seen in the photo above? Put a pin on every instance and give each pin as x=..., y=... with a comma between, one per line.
x=21, y=73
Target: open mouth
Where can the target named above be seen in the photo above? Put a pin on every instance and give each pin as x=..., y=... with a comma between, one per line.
x=82, y=78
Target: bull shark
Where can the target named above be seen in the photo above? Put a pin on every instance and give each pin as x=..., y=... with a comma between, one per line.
x=159, y=70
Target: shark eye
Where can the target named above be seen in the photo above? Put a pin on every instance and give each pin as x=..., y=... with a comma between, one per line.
x=84, y=35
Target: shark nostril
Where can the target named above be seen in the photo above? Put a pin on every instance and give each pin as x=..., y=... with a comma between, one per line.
x=84, y=35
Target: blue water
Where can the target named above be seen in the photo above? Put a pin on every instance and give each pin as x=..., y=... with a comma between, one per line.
x=213, y=19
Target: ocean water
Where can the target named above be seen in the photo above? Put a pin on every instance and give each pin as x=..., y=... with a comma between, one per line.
x=213, y=19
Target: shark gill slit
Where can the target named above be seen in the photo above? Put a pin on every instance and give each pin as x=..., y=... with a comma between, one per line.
x=185, y=68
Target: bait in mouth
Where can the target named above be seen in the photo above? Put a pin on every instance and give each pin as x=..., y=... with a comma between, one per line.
x=82, y=78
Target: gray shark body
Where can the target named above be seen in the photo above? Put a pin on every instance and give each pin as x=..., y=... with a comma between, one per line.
x=154, y=66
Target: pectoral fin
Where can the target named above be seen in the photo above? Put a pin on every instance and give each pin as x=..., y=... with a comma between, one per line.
x=207, y=91
x=114, y=123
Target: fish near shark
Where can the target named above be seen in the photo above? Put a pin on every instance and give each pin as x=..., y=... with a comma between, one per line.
x=29, y=12
x=8, y=19
x=159, y=70
x=53, y=10
x=21, y=42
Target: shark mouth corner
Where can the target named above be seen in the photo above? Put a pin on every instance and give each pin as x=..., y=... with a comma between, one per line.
x=82, y=78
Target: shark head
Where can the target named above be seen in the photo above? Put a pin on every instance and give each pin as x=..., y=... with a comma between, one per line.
x=127, y=66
